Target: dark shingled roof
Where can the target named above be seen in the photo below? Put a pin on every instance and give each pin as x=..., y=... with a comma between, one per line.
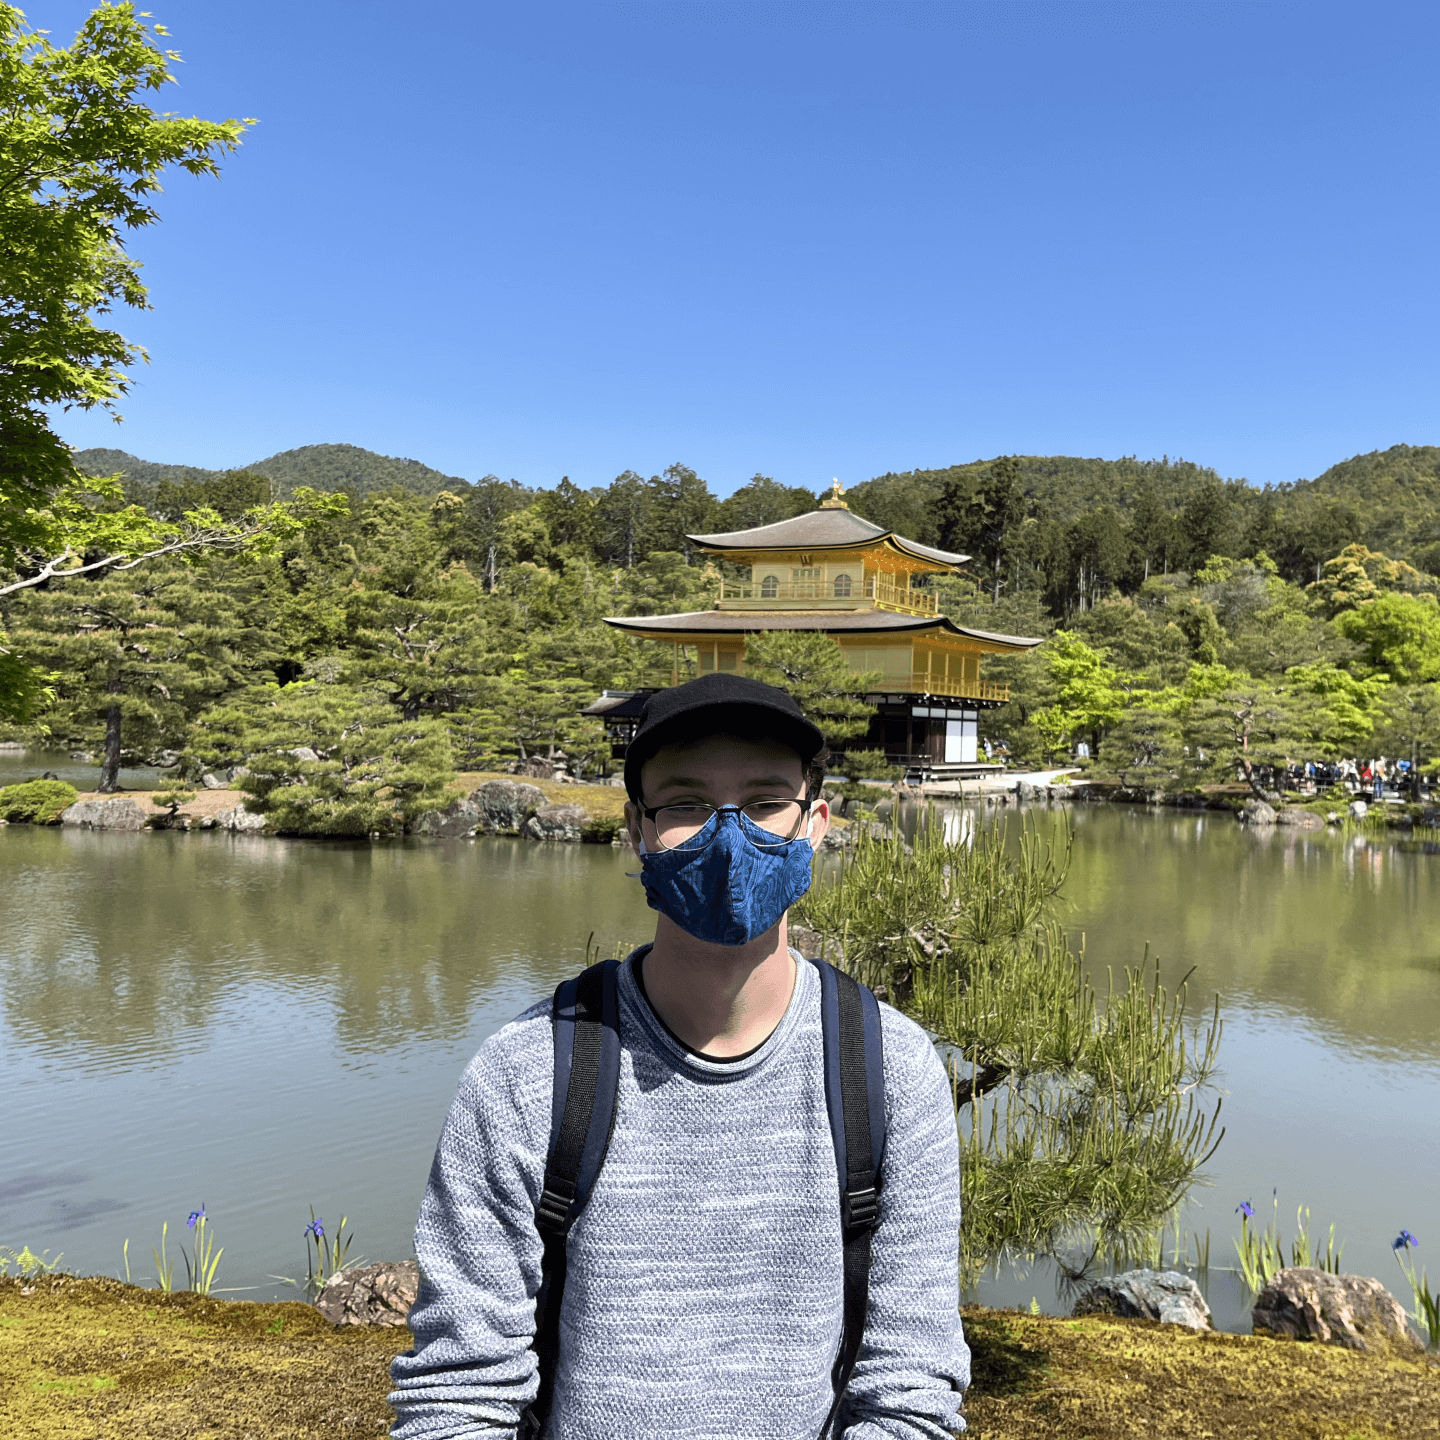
x=823, y=529
x=842, y=622
x=619, y=704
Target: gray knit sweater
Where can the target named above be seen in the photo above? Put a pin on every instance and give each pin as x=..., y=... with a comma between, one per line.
x=704, y=1295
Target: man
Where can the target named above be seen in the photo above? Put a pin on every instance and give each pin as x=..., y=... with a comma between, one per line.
x=704, y=1291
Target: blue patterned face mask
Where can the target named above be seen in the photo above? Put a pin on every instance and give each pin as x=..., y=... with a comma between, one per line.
x=732, y=890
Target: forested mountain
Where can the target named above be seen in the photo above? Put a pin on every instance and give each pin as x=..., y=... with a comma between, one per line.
x=321, y=467
x=1074, y=527
x=1061, y=486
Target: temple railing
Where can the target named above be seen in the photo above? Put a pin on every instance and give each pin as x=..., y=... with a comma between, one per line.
x=918, y=682
x=882, y=596
x=922, y=683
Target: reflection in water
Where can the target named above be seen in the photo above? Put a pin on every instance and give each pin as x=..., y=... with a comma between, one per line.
x=262, y=1025
x=958, y=825
x=121, y=950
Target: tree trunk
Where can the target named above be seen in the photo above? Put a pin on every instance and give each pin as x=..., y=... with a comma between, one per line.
x=979, y=1083
x=1270, y=797
x=996, y=597
x=110, y=765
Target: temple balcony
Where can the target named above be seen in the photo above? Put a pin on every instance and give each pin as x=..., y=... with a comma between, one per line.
x=919, y=682
x=871, y=594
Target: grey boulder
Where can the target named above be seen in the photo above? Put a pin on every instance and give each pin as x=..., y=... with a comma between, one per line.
x=1148, y=1295
x=456, y=822
x=1304, y=1303
x=1298, y=819
x=1358, y=809
x=122, y=814
x=1257, y=812
x=380, y=1294
x=211, y=781
x=556, y=822
x=240, y=820
x=506, y=804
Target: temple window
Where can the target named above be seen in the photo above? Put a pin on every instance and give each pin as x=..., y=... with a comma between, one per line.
x=842, y=587
x=769, y=587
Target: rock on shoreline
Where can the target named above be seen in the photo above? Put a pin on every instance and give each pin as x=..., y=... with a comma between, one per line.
x=120, y=814
x=379, y=1294
x=1148, y=1295
x=1303, y=1303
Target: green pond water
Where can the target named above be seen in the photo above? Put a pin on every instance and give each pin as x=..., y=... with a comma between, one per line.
x=262, y=1026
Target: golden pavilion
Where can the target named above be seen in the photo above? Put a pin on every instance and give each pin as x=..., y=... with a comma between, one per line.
x=832, y=571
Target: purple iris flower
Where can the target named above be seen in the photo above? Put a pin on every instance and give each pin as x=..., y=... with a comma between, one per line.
x=316, y=1228
x=1246, y=1209
x=194, y=1216
x=1403, y=1241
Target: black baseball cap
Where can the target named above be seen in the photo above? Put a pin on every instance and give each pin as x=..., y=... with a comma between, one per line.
x=733, y=704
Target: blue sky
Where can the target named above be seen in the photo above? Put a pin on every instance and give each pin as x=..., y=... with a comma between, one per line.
x=802, y=239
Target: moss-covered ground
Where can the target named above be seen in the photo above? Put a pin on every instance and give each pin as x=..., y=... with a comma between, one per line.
x=601, y=802
x=94, y=1359
x=1101, y=1378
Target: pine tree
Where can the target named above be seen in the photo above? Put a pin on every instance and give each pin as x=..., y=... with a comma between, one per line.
x=681, y=505
x=1250, y=730
x=338, y=760
x=622, y=513
x=1152, y=529
x=140, y=653
x=429, y=656
x=1143, y=747
x=1094, y=1133
x=813, y=669
x=984, y=515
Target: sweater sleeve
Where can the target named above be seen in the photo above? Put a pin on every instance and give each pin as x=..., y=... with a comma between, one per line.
x=914, y=1365
x=472, y=1370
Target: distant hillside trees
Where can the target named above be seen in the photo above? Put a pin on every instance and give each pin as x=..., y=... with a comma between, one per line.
x=479, y=608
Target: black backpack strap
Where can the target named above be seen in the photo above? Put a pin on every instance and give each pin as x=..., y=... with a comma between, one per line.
x=585, y=1019
x=855, y=1097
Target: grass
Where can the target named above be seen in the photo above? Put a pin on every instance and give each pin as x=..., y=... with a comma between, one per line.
x=102, y=1360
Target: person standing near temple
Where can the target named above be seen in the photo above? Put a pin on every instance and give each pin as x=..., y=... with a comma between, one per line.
x=704, y=1292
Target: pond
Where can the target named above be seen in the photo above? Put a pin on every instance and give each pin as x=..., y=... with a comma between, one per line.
x=266, y=1025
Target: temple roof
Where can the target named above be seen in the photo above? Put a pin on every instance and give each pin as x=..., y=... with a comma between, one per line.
x=829, y=528
x=842, y=622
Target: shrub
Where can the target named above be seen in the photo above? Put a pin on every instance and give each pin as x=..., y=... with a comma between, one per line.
x=36, y=802
x=868, y=765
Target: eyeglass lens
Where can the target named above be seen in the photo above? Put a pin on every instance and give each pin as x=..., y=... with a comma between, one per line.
x=678, y=826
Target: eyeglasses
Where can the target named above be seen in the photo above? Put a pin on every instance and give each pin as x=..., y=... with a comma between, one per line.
x=682, y=827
